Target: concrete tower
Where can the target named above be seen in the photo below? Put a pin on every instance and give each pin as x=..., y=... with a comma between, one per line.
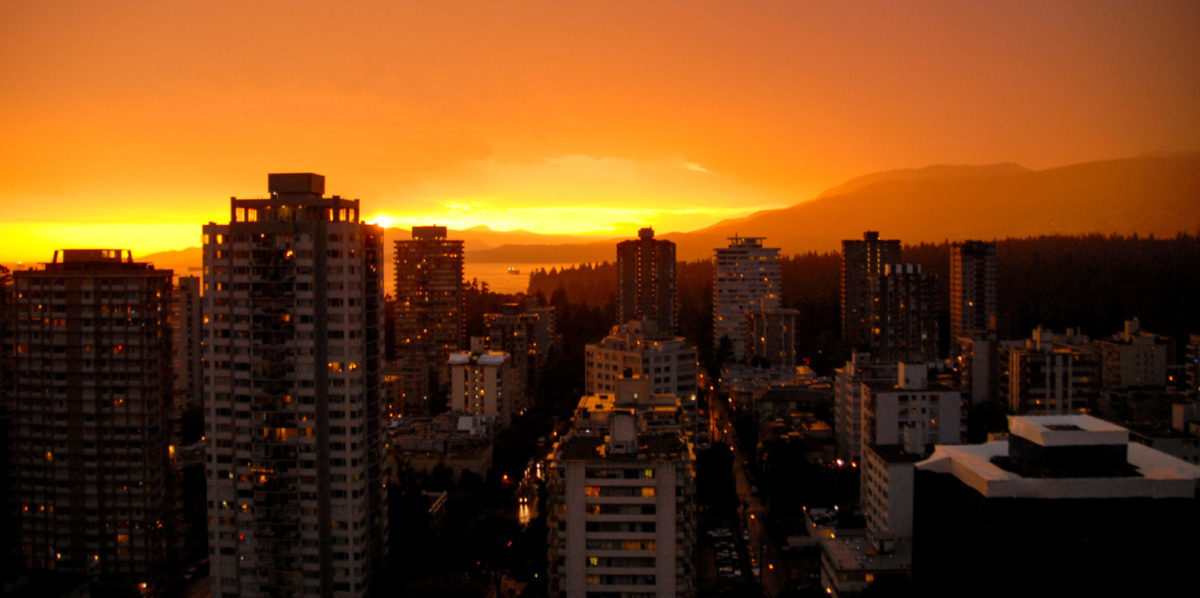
x=972, y=289
x=862, y=263
x=293, y=309
x=646, y=280
x=747, y=277
x=89, y=411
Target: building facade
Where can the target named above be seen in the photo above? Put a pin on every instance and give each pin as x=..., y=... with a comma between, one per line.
x=979, y=365
x=772, y=337
x=430, y=314
x=638, y=350
x=847, y=395
x=1051, y=374
x=1192, y=363
x=646, y=280
x=901, y=419
x=90, y=432
x=862, y=263
x=1134, y=358
x=904, y=323
x=7, y=530
x=972, y=289
x=747, y=277
x=186, y=323
x=910, y=411
x=293, y=349
x=482, y=383
x=621, y=502
x=525, y=333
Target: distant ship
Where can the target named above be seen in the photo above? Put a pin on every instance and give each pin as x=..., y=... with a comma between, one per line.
x=512, y=270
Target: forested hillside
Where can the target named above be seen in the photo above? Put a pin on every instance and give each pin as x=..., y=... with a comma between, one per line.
x=1091, y=282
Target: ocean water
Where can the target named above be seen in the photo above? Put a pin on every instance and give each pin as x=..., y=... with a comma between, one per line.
x=498, y=277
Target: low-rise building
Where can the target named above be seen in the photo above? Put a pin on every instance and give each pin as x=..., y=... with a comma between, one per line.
x=1052, y=374
x=525, y=332
x=482, y=383
x=772, y=336
x=910, y=410
x=453, y=440
x=847, y=392
x=639, y=348
x=850, y=563
x=1134, y=358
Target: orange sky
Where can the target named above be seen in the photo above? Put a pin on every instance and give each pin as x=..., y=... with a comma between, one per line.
x=127, y=124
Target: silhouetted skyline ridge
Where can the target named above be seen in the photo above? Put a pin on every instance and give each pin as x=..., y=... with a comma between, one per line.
x=1148, y=195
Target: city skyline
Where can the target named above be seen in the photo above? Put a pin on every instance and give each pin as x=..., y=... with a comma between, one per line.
x=673, y=298
x=579, y=119
x=315, y=486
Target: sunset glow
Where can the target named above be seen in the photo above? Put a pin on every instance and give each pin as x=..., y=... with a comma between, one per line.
x=130, y=127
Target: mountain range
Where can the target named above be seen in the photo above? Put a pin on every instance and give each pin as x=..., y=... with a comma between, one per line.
x=1152, y=195
x=1149, y=195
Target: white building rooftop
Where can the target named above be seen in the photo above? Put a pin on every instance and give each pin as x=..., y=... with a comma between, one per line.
x=1158, y=475
x=1067, y=430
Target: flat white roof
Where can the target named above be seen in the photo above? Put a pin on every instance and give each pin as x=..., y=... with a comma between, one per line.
x=1162, y=476
x=1066, y=430
x=489, y=358
x=493, y=358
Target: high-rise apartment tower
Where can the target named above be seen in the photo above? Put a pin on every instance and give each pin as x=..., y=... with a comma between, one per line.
x=430, y=314
x=293, y=333
x=89, y=408
x=972, y=289
x=186, y=325
x=862, y=263
x=904, y=308
x=746, y=278
x=646, y=280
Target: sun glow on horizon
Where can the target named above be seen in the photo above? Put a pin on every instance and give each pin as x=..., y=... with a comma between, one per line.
x=35, y=242
x=575, y=220
x=132, y=127
x=381, y=219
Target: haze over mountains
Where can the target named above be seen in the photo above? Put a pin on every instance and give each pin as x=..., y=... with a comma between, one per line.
x=1152, y=195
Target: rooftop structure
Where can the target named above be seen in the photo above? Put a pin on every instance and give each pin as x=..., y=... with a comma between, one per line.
x=1065, y=504
x=850, y=563
x=1065, y=456
x=453, y=440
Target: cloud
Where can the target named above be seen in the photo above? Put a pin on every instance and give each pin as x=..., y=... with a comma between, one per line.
x=579, y=193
